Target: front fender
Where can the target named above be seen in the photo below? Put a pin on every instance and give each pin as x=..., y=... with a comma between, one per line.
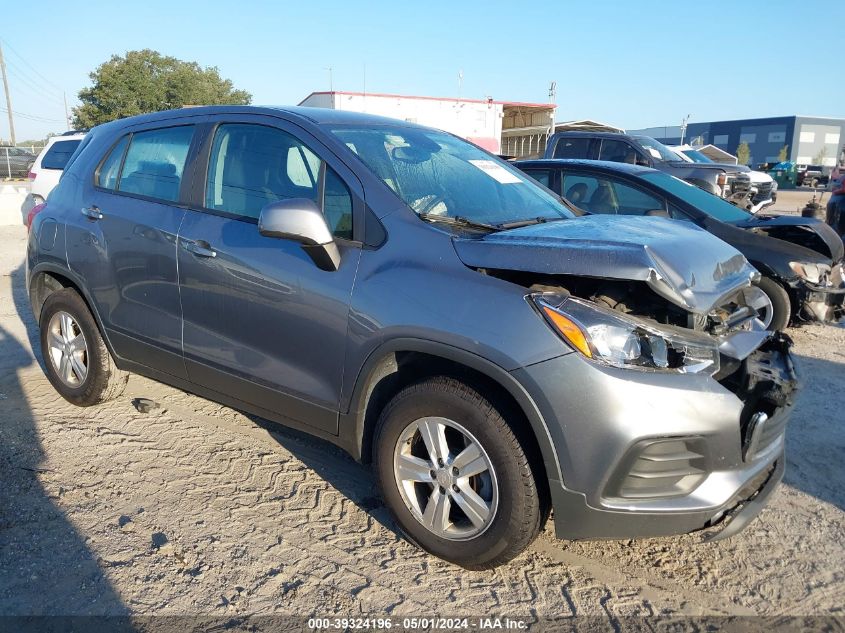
x=378, y=365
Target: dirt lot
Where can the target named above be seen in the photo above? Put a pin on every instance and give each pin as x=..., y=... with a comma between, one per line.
x=196, y=508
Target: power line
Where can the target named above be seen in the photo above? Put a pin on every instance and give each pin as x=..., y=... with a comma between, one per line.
x=32, y=86
x=31, y=67
x=33, y=117
x=33, y=91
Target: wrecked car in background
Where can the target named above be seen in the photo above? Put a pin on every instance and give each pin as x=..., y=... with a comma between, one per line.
x=800, y=258
x=427, y=307
x=730, y=182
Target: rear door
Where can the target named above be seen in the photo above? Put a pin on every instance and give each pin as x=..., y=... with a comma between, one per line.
x=262, y=323
x=122, y=243
x=582, y=147
x=621, y=151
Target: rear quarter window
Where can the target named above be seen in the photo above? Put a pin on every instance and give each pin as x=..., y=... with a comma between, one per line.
x=59, y=154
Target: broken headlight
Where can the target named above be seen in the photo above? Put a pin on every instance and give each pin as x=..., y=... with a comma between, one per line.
x=814, y=273
x=622, y=340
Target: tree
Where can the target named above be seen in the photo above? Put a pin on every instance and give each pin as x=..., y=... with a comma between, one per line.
x=821, y=156
x=743, y=153
x=146, y=81
x=783, y=154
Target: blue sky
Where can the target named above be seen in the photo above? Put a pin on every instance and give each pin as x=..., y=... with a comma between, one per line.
x=632, y=63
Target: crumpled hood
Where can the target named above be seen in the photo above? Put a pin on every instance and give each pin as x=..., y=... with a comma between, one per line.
x=681, y=262
x=810, y=233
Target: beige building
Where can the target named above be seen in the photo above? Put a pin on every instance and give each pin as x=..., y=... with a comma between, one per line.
x=502, y=127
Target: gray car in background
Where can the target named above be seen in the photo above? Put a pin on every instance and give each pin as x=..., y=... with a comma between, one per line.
x=424, y=305
x=15, y=162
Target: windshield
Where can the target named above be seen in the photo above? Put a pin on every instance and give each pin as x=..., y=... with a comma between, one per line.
x=437, y=174
x=657, y=149
x=695, y=156
x=705, y=202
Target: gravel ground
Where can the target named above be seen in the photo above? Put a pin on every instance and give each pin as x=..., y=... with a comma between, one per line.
x=196, y=508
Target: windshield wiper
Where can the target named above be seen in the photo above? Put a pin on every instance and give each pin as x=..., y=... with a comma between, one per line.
x=459, y=221
x=528, y=222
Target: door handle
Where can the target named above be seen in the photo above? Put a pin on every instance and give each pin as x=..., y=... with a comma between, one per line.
x=201, y=249
x=93, y=212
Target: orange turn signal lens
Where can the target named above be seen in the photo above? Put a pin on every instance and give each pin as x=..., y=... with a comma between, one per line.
x=570, y=331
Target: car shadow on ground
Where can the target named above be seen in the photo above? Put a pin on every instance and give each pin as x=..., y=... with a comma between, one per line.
x=355, y=481
x=45, y=565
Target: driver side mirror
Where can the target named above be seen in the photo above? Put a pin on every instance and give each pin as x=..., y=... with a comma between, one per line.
x=301, y=220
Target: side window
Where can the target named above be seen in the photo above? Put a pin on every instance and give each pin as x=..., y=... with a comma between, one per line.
x=579, y=190
x=617, y=151
x=59, y=154
x=572, y=148
x=155, y=161
x=110, y=167
x=543, y=176
x=252, y=165
x=337, y=205
x=632, y=201
x=303, y=167
x=676, y=214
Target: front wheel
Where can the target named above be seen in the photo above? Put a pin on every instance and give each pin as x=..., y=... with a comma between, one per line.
x=772, y=304
x=454, y=475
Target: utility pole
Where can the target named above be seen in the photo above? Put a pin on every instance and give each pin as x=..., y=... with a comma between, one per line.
x=684, y=128
x=8, y=96
x=67, y=115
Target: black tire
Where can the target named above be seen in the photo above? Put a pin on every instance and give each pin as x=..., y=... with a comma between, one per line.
x=781, y=306
x=104, y=381
x=521, y=511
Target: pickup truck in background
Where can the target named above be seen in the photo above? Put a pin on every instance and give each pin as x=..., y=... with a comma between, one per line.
x=811, y=176
x=764, y=189
x=726, y=181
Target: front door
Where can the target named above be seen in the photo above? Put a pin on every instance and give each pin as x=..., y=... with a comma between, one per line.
x=262, y=323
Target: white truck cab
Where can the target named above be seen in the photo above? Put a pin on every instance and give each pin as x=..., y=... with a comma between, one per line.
x=764, y=188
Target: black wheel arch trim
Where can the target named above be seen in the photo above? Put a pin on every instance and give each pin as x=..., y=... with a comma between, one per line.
x=50, y=268
x=352, y=422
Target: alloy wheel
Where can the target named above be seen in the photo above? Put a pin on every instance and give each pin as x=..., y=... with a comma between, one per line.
x=68, y=349
x=758, y=300
x=446, y=478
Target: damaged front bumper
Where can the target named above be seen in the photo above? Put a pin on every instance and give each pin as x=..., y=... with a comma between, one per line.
x=652, y=454
x=821, y=303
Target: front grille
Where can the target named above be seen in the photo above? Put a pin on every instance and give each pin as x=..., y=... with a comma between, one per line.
x=761, y=432
x=739, y=182
x=764, y=192
x=766, y=383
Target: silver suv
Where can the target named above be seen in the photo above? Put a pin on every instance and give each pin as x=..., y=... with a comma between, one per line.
x=411, y=298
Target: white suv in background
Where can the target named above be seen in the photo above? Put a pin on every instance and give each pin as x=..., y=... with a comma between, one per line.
x=48, y=167
x=764, y=188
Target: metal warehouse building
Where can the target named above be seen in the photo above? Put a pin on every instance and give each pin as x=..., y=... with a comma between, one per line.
x=507, y=127
x=808, y=139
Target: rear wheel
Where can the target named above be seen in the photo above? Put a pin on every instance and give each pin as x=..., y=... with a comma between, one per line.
x=78, y=363
x=454, y=475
